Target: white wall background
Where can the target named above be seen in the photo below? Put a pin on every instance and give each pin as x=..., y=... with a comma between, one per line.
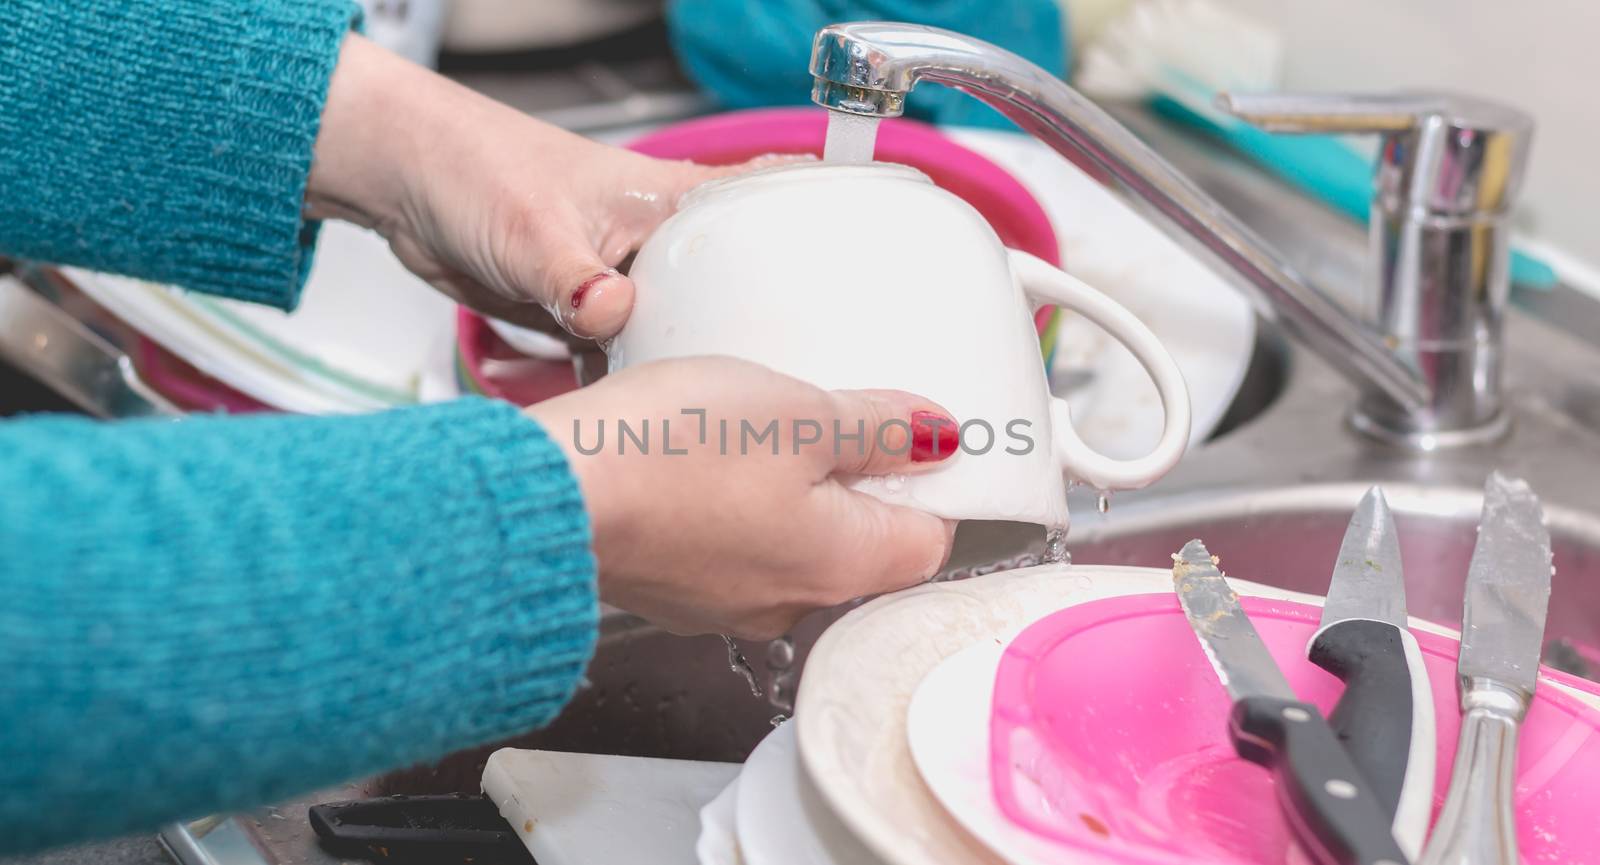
x=1540, y=55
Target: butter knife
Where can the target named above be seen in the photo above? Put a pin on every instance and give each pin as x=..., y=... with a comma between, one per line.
x=1502, y=628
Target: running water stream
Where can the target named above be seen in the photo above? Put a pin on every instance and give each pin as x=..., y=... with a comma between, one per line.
x=741, y=665
x=852, y=138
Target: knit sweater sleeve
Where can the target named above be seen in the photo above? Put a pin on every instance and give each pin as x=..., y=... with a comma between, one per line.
x=167, y=141
x=212, y=613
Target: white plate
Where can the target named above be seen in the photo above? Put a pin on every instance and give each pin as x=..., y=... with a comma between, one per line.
x=368, y=334
x=862, y=673
x=781, y=819
x=533, y=343
x=948, y=731
x=719, y=833
x=1203, y=321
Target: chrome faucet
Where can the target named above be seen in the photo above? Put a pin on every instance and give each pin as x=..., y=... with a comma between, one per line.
x=1428, y=365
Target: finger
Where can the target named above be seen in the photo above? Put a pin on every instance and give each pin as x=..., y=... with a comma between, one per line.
x=589, y=295
x=889, y=431
x=893, y=547
x=592, y=299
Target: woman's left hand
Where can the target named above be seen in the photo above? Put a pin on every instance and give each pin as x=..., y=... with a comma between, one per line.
x=507, y=214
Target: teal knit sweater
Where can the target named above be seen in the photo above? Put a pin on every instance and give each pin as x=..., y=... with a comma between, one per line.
x=207, y=614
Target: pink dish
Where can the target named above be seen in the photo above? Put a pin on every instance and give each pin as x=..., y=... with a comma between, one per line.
x=186, y=387
x=1109, y=737
x=725, y=139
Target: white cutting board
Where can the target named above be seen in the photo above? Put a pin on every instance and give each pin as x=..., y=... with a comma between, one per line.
x=601, y=809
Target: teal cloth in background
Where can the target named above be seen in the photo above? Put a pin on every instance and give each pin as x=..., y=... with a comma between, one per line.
x=215, y=613
x=749, y=55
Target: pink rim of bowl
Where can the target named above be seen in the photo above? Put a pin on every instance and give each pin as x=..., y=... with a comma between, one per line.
x=187, y=387
x=726, y=139
x=1109, y=736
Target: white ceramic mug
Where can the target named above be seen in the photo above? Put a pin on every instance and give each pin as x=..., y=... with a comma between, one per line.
x=870, y=276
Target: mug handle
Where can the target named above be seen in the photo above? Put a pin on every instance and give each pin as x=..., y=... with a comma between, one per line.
x=1044, y=283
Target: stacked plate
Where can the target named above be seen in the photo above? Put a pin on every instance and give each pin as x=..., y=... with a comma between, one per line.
x=892, y=754
x=367, y=335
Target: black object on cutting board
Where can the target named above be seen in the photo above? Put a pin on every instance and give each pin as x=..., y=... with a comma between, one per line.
x=1334, y=815
x=1384, y=719
x=433, y=829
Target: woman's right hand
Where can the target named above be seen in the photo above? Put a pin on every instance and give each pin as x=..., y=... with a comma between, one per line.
x=721, y=534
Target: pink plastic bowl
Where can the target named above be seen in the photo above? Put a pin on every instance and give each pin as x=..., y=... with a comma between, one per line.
x=725, y=139
x=1109, y=736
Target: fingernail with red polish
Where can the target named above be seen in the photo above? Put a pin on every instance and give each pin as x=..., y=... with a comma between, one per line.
x=934, y=437
x=583, y=288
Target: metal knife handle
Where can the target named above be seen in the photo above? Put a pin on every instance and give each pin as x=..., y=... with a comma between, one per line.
x=1478, y=825
x=1332, y=811
x=1385, y=718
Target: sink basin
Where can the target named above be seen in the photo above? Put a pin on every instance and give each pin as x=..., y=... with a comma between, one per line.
x=654, y=694
x=1290, y=536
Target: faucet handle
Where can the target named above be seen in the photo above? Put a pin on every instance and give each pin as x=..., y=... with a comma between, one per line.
x=1374, y=112
x=1322, y=112
x=1449, y=154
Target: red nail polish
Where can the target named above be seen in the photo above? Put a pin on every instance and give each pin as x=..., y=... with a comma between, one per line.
x=583, y=288
x=933, y=437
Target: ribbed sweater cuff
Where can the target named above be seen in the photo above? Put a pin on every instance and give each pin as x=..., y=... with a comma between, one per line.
x=250, y=238
x=526, y=633
x=488, y=631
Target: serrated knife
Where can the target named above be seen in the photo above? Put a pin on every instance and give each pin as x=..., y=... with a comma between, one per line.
x=1502, y=628
x=1333, y=813
x=1384, y=719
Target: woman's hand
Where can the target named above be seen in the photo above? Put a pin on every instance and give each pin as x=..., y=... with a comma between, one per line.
x=506, y=214
x=702, y=527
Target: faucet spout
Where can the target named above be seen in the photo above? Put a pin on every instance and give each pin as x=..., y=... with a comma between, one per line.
x=869, y=67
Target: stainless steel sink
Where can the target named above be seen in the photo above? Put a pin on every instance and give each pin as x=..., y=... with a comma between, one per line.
x=1290, y=536
x=1270, y=494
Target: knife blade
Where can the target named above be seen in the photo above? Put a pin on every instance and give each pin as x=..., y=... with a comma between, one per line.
x=1335, y=816
x=1384, y=719
x=1502, y=627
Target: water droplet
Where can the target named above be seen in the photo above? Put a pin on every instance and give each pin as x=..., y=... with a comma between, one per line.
x=738, y=664
x=1103, y=504
x=780, y=679
x=1055, y=546
x=780, y=653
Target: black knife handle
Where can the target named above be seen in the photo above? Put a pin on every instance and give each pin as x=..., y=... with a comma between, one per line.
x=1332, y=812
x=421, y=829
x=1373, y=717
